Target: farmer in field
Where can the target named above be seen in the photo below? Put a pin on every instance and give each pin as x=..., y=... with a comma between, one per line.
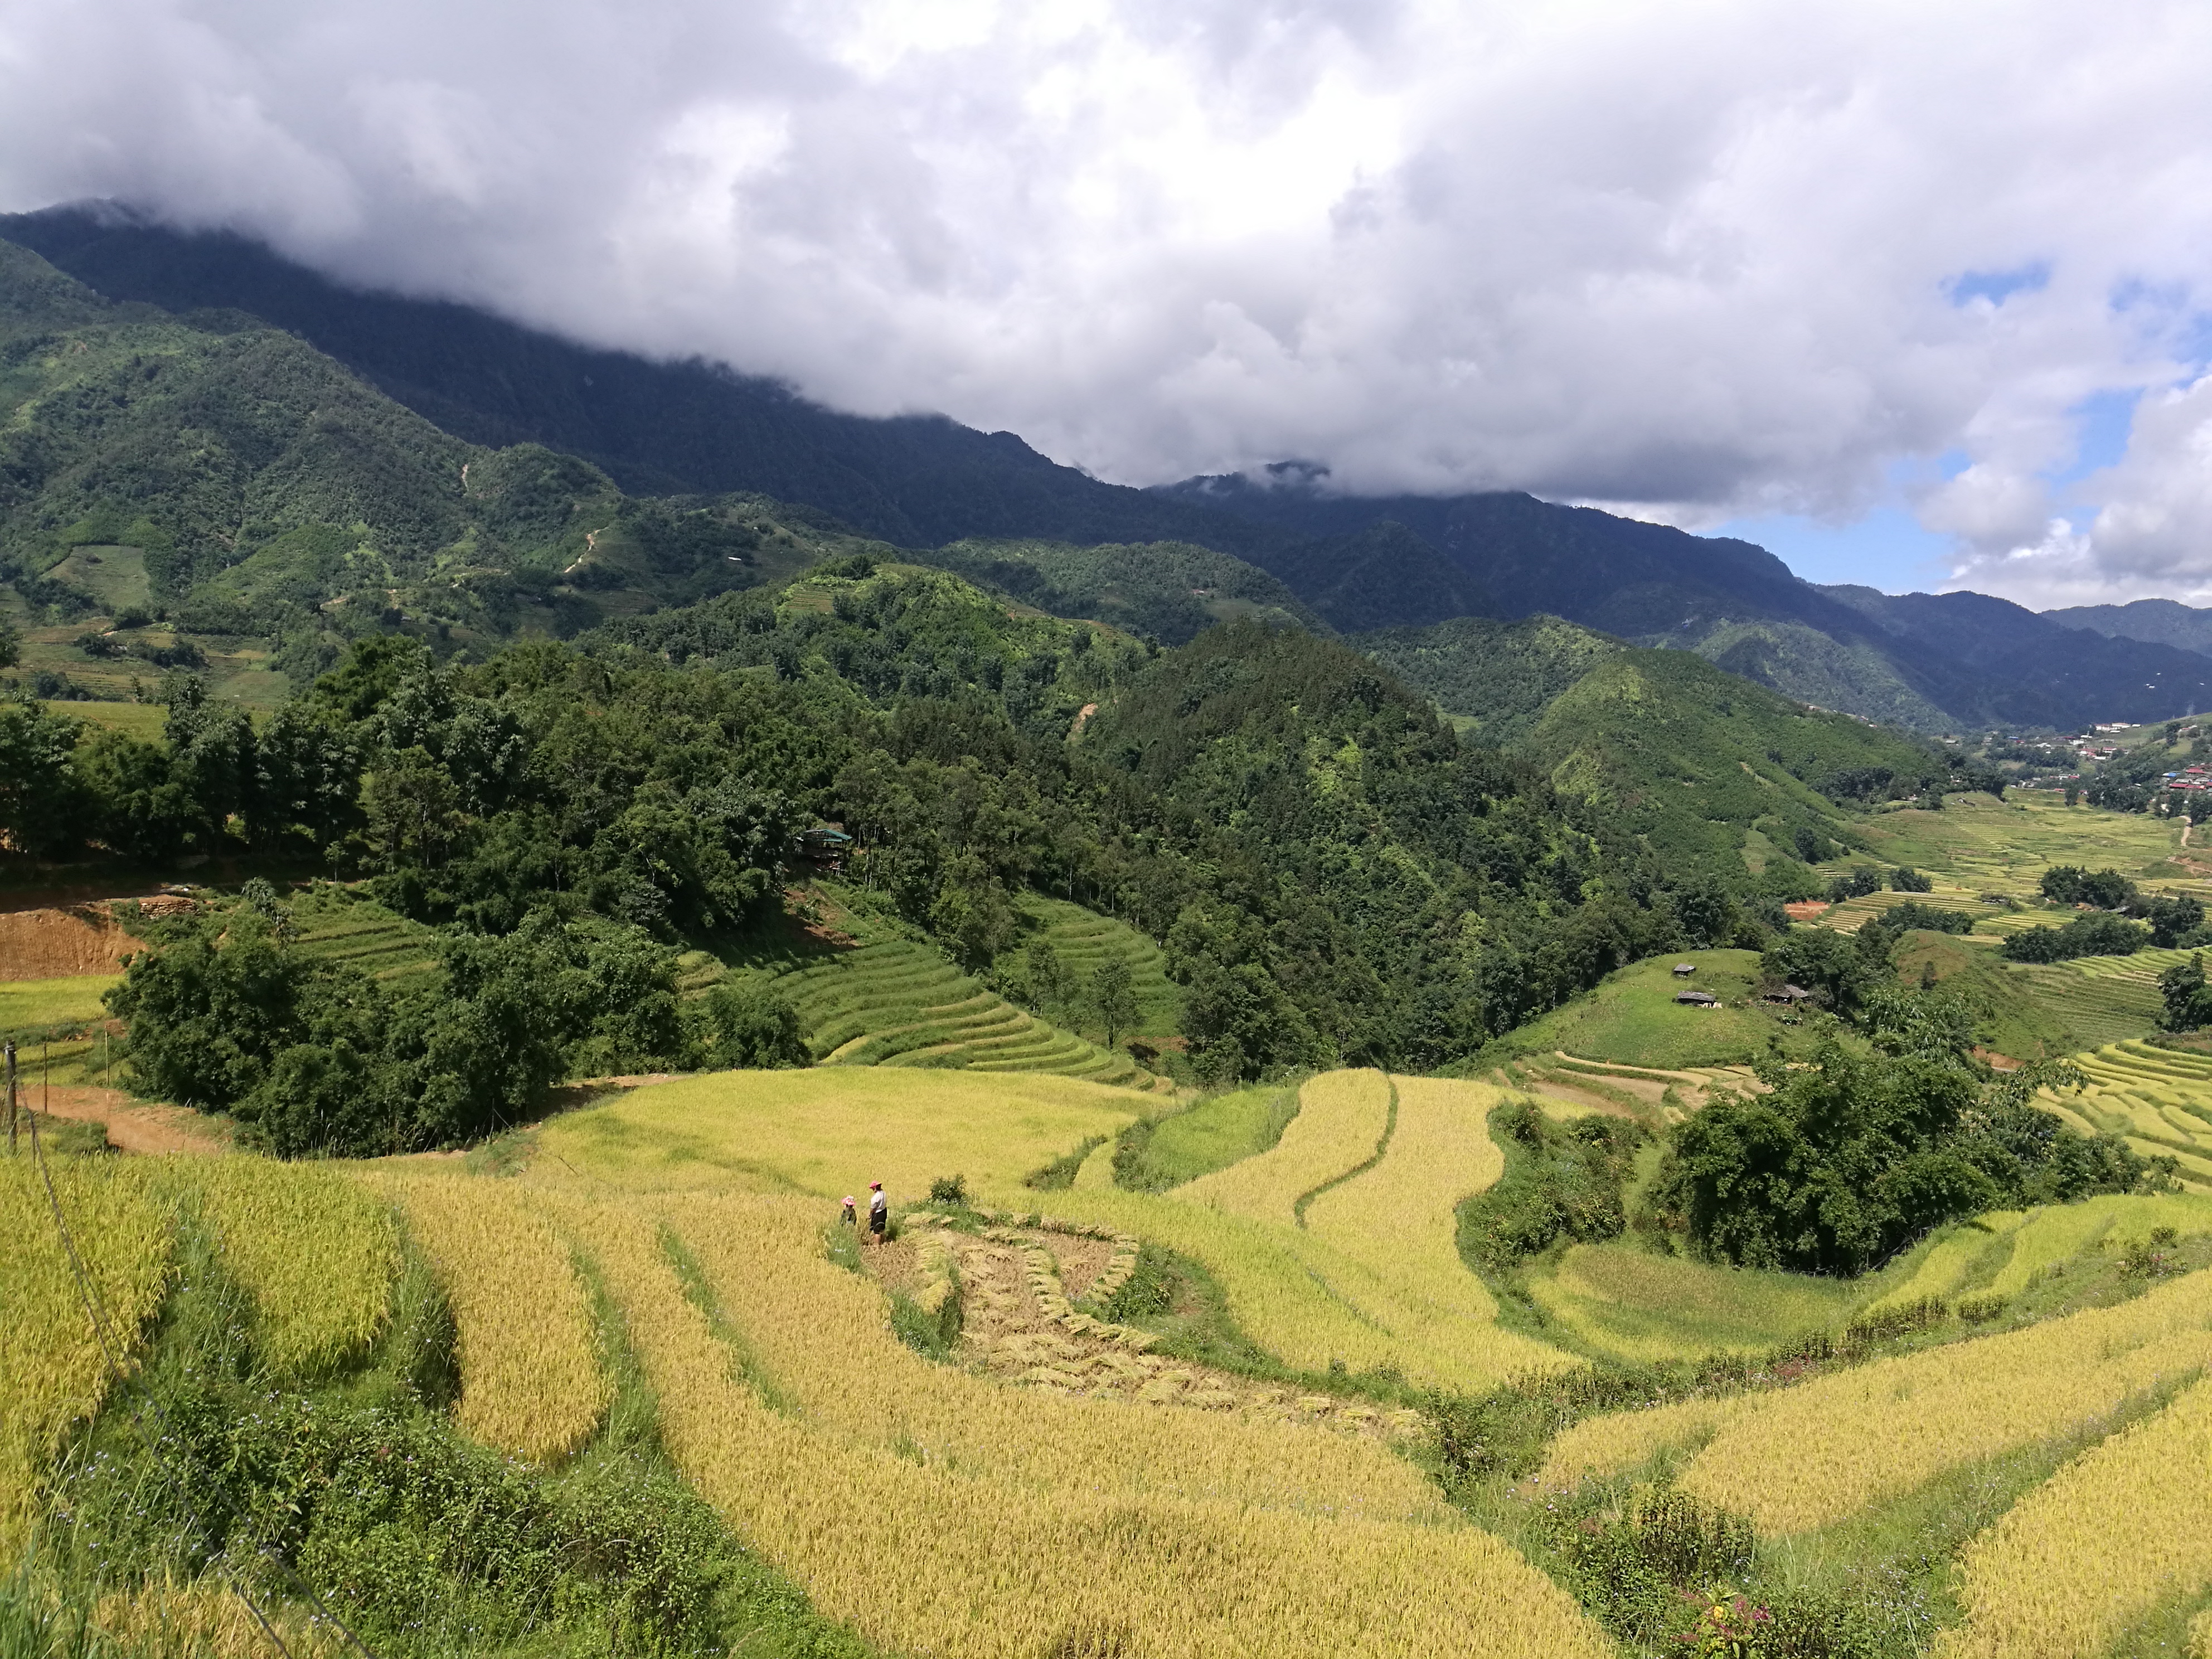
x=880, y=1211
x=847, y=1214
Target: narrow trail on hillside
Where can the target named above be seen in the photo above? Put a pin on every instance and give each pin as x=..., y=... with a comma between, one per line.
x=133, y=1125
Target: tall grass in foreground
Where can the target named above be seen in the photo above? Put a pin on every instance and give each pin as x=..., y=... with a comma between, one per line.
x=53, y=1370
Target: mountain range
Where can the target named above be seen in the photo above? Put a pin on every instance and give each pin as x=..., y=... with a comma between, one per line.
x=602, y=436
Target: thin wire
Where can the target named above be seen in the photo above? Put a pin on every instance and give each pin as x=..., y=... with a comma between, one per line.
x=96, y=1310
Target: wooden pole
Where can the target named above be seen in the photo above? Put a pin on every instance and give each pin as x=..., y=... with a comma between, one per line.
x=11, y=1099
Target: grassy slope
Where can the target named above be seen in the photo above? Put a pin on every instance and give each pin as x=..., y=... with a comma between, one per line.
x=1977, y=845
x=1084, y=940
x=1217, y=1132
x=832, y=1130
x=31, y=1005
x=1631, y=1016
x=1620, y=1300
x=2022, y=1015
x=337, y=924
x=871, y=995
x=1982, y=845
x=248, y=484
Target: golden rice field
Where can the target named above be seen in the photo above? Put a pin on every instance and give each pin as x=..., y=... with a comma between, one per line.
x=55, y=1369
x=1396, y=1220
x=936, y=1509
x=2003, y=1253
x=1311, y=1304
x=1368, y=1276
x=1805, y=1457
x=2160, y=1099
x=531, y=1383
x=2097, y=1546
x=1342, y=1119
x=1017, y=1570
x=829, y=1132
x=818, y=1331
x=316, y=1253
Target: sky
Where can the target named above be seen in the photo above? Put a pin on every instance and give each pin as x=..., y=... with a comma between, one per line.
x=1919, y=296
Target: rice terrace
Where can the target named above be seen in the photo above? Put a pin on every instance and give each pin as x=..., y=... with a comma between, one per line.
x=645, y=1019
x=1261, y=1368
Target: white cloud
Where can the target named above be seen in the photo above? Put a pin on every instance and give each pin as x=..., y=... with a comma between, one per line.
x=2151, y=539
x=1698, y=258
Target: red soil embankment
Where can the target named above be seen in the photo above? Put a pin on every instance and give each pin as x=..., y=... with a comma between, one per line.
x=62, y=944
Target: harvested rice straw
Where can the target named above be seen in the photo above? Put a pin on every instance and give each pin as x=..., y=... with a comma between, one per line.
x=822, y=1334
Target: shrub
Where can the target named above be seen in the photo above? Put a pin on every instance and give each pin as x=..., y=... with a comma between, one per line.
x=2068, y=884
x=754, y=1026
x=1906, y=879
x=951, y=1189
x=1855, y=882
x=1559, y=1183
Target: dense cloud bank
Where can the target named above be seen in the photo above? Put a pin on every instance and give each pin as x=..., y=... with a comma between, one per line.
x=1697, y=261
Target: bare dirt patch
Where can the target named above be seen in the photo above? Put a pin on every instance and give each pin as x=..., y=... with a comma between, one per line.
x=132, y=1126
x=62, y=944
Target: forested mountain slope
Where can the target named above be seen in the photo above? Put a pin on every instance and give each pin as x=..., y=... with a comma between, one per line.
x=2159, y=622
x=1357, y=562
x=217, y=493
x=1992, y=662
x=1700, y=763
x=657, y=428
x=1332, y=870
x=1943, y=661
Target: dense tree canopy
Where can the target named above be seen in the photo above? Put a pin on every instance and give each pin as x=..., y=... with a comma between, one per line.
x=1838, y=1165
x=1334, y=874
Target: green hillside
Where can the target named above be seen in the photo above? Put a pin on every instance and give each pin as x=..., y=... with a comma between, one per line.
x=898, y=1003
x=1693, y=758
x=219, y=497
x=1494, y=679
x=1171, y=591
x=1630, y=1017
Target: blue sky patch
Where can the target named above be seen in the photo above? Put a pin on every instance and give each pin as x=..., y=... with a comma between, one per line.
x=1998, y=286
